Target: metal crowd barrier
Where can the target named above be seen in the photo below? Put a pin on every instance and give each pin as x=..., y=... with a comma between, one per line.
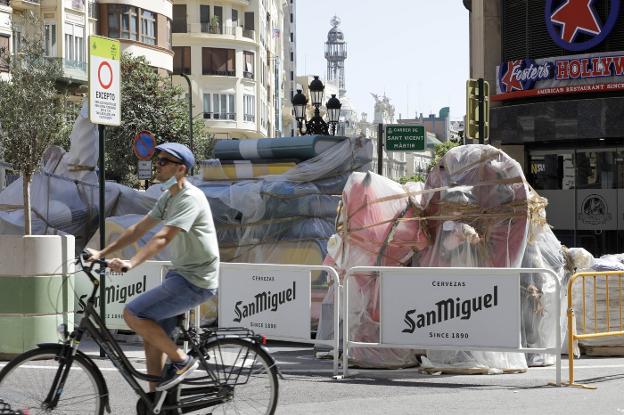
x=391, y=336
x=597, y=331
x=268, y=299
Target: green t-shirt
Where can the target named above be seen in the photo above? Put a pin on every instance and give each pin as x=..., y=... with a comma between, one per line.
x=194, y=250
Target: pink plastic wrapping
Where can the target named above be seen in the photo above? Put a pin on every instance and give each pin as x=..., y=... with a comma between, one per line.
x=375, y=226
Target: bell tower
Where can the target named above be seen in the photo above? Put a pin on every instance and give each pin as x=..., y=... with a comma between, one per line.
x=336, y=54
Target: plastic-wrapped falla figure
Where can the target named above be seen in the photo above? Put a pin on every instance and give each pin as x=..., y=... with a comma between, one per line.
x=477, y=213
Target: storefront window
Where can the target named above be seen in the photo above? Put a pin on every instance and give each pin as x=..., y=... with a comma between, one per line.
x=551, y=171
x=596, y=169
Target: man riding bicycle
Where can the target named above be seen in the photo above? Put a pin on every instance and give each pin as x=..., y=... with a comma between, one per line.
x=193, y=279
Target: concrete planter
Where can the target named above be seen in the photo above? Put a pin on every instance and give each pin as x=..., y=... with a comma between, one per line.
x=36, y=281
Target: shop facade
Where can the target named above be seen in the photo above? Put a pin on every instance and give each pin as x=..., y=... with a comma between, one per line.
x=559, y=102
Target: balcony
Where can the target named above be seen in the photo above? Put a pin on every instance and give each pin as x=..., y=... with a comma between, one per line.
x=249, y=34
x=248, y=75
x=217, y=29
x=74, y=70
x=24, y=4
x=180, y=26
x=217, y=72
x=220, y=116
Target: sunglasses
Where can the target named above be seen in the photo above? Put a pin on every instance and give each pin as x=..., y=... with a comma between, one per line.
x=161, y=161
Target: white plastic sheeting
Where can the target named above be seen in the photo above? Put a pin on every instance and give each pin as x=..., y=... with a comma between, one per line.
x=475, y=210
x=64, y=192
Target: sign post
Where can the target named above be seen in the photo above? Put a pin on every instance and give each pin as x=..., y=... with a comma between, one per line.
x=104, y=109
x=143, y=146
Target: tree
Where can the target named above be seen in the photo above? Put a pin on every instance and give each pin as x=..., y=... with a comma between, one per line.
x=30, y=116
x=149, y=102
x=438, y=152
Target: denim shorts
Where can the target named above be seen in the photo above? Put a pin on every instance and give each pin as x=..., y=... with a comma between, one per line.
x=164, y=303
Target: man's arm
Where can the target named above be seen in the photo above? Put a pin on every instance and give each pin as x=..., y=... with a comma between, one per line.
x=154, y=246
x=130, y=235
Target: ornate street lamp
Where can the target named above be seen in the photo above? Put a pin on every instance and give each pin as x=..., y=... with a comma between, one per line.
x=316, y=125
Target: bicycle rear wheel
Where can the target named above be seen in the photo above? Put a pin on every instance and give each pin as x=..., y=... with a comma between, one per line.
x=26, y=381
x=247, y=377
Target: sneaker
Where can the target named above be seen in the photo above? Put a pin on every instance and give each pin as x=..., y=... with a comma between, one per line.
x=180, y=371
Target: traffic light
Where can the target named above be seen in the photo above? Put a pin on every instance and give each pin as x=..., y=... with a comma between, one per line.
x=473, y=117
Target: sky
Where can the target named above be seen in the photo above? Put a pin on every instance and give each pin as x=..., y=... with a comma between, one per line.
x=416, y=51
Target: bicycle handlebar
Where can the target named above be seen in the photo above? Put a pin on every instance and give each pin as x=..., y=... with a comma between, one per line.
x=84, y=257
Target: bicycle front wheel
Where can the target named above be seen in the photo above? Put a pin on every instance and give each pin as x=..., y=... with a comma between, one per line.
x=26, y=381
x=246, y=376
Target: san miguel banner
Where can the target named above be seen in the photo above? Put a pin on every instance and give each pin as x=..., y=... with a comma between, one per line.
x=425, y=307
x=592, y=72
x=273, y=302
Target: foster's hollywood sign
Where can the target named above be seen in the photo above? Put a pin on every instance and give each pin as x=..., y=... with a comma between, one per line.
x=596, y=72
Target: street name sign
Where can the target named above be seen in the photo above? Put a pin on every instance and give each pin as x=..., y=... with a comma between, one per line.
x=104, y=81
x=404, y=137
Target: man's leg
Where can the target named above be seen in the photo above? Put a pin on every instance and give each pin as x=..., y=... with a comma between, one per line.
x=155, y=342
x=155, y=362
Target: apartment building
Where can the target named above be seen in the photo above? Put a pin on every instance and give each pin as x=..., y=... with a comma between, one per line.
x=5, y=34
x=233, y=53
x=143, y=28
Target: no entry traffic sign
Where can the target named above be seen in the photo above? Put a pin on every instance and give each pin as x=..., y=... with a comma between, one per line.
x=104, y=81
x=143, y=145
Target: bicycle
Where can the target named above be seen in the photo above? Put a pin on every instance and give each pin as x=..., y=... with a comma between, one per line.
x=236, y=373
x=5, y=409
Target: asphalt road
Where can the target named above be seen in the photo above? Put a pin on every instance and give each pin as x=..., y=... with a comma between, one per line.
x=308, y=388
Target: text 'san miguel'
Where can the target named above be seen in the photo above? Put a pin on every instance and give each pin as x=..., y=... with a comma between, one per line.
x=449, y=309
x=264, y=301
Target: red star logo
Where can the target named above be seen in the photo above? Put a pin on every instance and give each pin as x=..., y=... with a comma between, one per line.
x=575, y=15
x=510, y=81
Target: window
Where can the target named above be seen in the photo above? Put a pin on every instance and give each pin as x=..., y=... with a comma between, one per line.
x=249, y=25
x=148, y=27
x=17, y=39
x=249, y=108
x=292, y=37
x=217, y=61
x=220, y=106
x=179, y=18
x=129, y=24
x=182, y=60
x=74, y=43
x=168, y=34
x=218, y=20
x=4, y=47
x=204, y=18
x=49, y=38
x=248, y=70
x=122, y=22
x=234, y=18
x=292, y=56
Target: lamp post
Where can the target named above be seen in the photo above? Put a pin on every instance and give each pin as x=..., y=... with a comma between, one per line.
x=190, y=94
x=316, y=125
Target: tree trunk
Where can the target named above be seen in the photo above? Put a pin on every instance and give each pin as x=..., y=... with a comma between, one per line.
x=27, y=214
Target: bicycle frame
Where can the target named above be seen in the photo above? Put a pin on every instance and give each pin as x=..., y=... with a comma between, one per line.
x=92, y=323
